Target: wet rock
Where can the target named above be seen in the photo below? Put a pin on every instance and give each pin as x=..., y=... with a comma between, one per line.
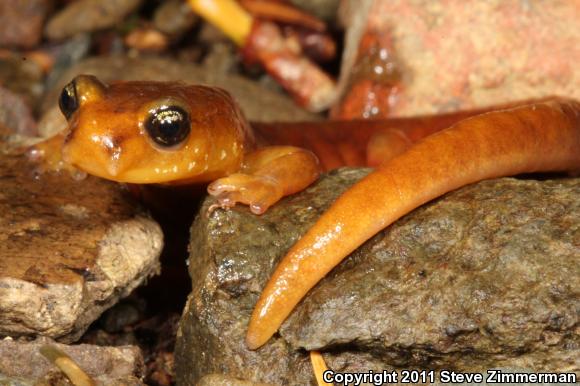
x=258, y=104
x=468, y=54
x=87, y=16
x=474, y=280
x=68, y=250
x=22, y=360
x=21, y=22
x=484, y=280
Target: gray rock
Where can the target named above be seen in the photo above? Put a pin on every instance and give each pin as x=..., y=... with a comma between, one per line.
x=258, y=104
x=51, y=122
x=477, y=279
x=22, y=77
x=68, y=250
x=88, y=15
x=174, y=18
x=25, y=365
x=15, y=114
x=66, y=54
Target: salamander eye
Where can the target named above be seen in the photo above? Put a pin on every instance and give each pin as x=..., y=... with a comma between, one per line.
x=68, y=100
x=168, y=126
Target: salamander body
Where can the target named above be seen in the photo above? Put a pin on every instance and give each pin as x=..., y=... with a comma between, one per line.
x=171, y=133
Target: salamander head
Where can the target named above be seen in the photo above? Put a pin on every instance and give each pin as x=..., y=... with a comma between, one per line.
x=152, y=132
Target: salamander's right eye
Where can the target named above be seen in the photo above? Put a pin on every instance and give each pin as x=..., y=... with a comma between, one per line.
x=168, y=126
x=68, y=101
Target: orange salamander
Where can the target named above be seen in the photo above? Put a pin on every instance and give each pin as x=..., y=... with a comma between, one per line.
x=171, y=133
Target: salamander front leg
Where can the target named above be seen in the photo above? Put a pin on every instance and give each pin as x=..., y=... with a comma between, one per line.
x=268, y=175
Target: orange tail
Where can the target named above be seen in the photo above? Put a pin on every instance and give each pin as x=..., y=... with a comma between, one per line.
x=533, y=138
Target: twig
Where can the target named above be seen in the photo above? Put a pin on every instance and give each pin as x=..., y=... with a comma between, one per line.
x=285, y=13
x=263, y=42
x=309, y=85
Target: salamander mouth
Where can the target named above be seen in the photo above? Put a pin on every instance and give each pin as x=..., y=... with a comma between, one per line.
x=104, y=161
x=113, y=166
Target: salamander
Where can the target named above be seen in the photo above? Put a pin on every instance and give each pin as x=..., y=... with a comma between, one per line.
x=172, y=133
x=177, y=134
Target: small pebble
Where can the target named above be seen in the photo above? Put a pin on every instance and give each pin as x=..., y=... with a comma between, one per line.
x=21, y=22
x=174, y=18
x=88, y=15
x=147, y=40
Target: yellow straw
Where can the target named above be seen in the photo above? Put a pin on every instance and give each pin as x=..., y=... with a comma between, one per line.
x=227, y=15
x=319, y=367
x=74, y=373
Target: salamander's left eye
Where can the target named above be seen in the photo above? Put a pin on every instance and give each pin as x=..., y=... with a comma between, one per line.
x=168, y=126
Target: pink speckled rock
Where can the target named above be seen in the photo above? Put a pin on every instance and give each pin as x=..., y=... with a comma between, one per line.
x=457, y=54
